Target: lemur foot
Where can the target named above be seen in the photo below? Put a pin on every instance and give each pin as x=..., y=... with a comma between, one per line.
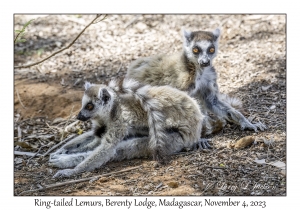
x=255, y=126
x=203, y=144
x=64, y=173
x=66, y=161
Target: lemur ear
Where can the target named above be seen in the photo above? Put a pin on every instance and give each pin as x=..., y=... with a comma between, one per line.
x=187, y=35
x=87, y=85
x=217, y=33
x=104, y=95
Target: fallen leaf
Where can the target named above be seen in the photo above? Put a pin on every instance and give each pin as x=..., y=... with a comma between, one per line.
x=262, y=161
x=268, y=142
x=18, y=160
x=173, y=184
x=265, y=88
x=262, y=156
x=24, y=144
x=272, y=107
x=80, y=131
x=244, y=142
x=278, y=164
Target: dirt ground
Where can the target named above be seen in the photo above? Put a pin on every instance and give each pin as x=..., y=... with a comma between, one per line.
x=251, y=65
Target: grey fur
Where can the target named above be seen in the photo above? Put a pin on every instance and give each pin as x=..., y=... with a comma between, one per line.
x=155, y=121
x=192, y=71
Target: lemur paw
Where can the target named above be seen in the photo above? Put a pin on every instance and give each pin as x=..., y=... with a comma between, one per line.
x=254, y=126
x=55, y=160
x=203, y=144
x=64, y=173
x=261, y=126
x=65, y=161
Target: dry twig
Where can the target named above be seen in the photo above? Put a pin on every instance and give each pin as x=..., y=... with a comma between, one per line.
x=20, y=99
x=60, y=143
x=213, y=167
x=30, y=154
x=79, y=180
x=37, y=153
x=95, y=20
x=131, y=21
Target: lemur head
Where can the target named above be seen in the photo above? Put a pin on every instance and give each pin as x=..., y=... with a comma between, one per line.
x=201, y=46
x=97, y=102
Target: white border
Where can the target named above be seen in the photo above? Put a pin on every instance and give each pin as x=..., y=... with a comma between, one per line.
x=154, y=6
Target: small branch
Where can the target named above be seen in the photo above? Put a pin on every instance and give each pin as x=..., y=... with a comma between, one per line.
x=215, y=167
x=120, y=68
x=79, y=180
x=19, y=133
x=30, y=154
x=17, y=37
x=20, y=99
x=132, y=21
x=21, y=32
x=60, y=143
x=37, y=153
x=97, y=21
x=36, y=63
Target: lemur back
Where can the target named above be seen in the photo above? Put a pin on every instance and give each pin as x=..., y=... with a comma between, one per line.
x=191, y=70
x=180, y=69
x=173, y=70
x=130, y=120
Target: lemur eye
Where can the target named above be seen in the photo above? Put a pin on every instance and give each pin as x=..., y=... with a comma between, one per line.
x=89, y=106
x=211, y=50
x=195, y=50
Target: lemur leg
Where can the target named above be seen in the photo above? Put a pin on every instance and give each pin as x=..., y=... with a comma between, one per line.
x=99, y=156
x=173, y=142
x=207, y=90
x=212, y=125
x=132, y=148
x=127, y=149
x=229, y=113
x=76, y=151
x=139, y=147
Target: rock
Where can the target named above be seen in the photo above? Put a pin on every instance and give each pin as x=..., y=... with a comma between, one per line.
x=58, y=44
x=272, y=107
x=140, y=27
x=173, y=184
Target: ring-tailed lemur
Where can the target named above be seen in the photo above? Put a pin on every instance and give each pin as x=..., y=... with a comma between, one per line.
x=130, y=120
x=191, y=70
